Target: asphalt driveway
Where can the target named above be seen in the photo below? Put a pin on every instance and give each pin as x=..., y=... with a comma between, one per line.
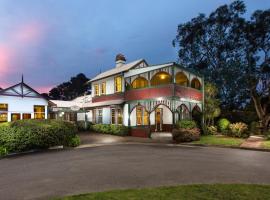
x=58, y=173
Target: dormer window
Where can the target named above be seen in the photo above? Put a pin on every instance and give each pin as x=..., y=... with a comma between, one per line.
x=96, y=89
x=118, y=84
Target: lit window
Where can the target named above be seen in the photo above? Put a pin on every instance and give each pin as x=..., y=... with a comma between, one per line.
x=103, y=88
x=161, y=78
x=119, y=116
x=139, y=82
x=113, y=116
x=15, y=116
x=3, y=107
x=96, y=88
x=3, y=117
x=142, y=116
x=118, y=84
x=39, y=112
x=26, y=116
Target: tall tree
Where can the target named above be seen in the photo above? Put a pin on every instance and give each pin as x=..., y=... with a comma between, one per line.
x=77, y=86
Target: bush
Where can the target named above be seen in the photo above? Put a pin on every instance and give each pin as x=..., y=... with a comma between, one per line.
x=210, y=130
x=189, y=124
x=3, y=151
x=111, y=129
x=254, y=128
x=223, y=125
x=25, y=135
x=81, y=125
x=74, y=142
x=239, y=129
x=186, y=135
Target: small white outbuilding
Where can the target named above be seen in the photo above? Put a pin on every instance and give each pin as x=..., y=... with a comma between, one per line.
x=20, y=101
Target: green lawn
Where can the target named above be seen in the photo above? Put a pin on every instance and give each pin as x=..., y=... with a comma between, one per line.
x=184, y=192
x=219, y=140
x=266, y=144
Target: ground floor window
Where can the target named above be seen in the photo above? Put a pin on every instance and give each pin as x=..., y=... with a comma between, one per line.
x=99, y=119
x=15, y=116
x=184, y=113
x=113, y=116
x=119, y=116
x=3, y=117
x=26, y=116
x=142, y=116
x=39, y=112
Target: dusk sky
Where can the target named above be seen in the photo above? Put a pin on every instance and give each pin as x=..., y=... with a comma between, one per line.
x=51, y=40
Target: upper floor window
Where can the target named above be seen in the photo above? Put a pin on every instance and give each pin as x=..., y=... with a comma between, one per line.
x=161, y=78
x=195, y=83
x=181, y=79
x=103, y=88
x=96, y=89
x=39, y=112
x=118, y=84
x=3, y=107
x=139, y=82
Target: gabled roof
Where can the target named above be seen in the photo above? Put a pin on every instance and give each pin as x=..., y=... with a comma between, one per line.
x=21, y=90
x=118, y=70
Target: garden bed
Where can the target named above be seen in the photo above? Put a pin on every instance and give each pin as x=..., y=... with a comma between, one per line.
x=219, y=140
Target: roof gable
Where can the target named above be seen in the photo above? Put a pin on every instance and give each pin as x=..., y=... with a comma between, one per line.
x=118, y=70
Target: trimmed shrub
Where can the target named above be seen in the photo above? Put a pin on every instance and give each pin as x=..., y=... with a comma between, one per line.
x=186, y=135
x=30, y=134
x=111, y=129
x=223, y=125
x=74, y=142
x=211, y=130
x=239, y=129
x=189, y=124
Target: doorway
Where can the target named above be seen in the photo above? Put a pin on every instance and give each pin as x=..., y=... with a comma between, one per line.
x=158, y=119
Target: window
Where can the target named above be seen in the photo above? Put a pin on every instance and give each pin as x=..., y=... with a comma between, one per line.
x=3, y=117
x=113, y=116
x=99, y=120
x=26, y=116
x=184, y=112
x=3, y=107
x=39, y=112
x=119, y=116
x=142, y=116
x=181, y=79
x=96, y=88
x=15, y=116
x=103, y=88
x=139, y=82
x=161, y=78
x=118, y=84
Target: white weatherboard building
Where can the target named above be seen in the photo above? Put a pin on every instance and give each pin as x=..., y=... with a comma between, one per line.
x=20, y=101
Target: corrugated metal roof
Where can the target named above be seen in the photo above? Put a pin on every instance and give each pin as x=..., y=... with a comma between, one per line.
x=117, y=70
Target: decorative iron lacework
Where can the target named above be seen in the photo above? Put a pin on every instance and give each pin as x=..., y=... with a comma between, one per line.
x=173, y=105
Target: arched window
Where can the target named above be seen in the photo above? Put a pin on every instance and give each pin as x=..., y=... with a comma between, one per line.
x=139, y=82
x=161, y=78
x=181, y=79
x=183, y=112
x=195, y=83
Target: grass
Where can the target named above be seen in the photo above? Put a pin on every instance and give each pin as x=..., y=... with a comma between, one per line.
x=266, y=144
x=219, y=140
x=184, y=192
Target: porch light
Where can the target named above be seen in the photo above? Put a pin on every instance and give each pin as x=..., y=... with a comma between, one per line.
x=163, y=76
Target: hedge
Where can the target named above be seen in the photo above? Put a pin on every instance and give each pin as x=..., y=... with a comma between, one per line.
x=110, y=129
x=24, y=135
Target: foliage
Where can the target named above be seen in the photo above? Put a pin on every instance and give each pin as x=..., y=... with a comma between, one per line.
x=25, y=135
x=3, y=151
x=266, y=144
x=110, y=129
x=69, y=90
x=188, y=124
x=81, y=125
x=74, y=142
x=219, y=140
x=239, y=129
x=232, y=52
x=254, y=128
x=186, y=134
x=223, y=124
x=210, y=130
x=211, y=106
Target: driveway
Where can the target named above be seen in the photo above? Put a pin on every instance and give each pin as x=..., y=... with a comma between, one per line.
x=58, y=173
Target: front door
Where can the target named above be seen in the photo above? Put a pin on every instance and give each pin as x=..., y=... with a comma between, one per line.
x=158, y=117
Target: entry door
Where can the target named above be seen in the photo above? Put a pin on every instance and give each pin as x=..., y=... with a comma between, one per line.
x=159, y=117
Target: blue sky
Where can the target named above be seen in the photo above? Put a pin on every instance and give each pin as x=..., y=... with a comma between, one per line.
x=51, y=40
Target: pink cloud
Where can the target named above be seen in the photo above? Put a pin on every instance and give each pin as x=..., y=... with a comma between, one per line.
x=5, y=59
x=44, y=89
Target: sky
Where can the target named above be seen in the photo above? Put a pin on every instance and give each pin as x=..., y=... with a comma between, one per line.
x=49, y=41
